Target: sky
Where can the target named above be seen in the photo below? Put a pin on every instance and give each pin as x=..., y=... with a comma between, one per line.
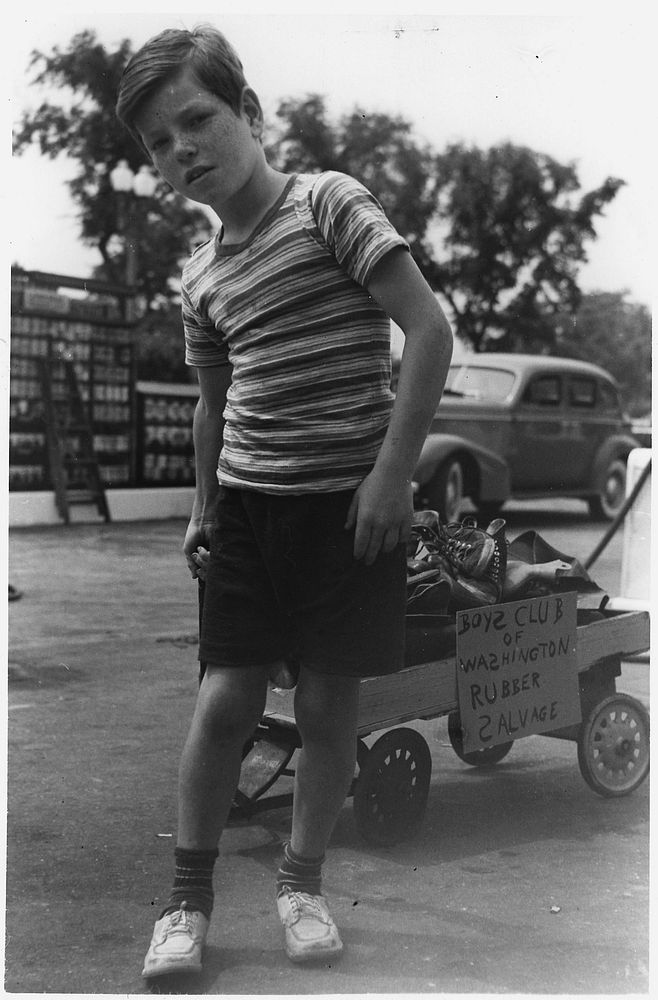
x=573, y=85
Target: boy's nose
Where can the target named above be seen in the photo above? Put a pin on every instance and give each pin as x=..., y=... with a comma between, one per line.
x=185, y=149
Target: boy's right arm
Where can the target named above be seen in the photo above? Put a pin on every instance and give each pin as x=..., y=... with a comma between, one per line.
x=208, y=431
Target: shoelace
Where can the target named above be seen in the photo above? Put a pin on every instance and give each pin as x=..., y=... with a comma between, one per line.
x=450, y=543
x=455, y=549
x=425, y=537
x=181, y=920
x=421, y=590
x=303, y=904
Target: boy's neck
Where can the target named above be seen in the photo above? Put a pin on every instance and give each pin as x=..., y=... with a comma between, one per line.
x=242, y=215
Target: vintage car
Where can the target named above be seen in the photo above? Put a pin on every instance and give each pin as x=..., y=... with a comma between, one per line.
x=517, y=426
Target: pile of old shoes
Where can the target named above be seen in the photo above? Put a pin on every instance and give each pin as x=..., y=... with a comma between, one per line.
x=469, y=562
x=429, y=585
x=478, y=559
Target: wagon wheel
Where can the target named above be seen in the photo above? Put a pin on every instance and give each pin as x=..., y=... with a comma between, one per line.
x=476, y=758
x=613, y=746
x=391, y=791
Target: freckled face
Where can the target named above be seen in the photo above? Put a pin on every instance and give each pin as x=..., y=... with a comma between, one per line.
x=196, y=141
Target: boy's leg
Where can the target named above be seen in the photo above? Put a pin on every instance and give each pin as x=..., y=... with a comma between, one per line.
x=326, y=709
x=229, y=706
x=349, y=620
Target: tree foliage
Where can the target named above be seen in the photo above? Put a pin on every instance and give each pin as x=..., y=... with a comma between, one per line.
x=159, y=353
x=81, y=124
x=376, y=149
x=513, y=227
x=500, y=234
x=615, y=333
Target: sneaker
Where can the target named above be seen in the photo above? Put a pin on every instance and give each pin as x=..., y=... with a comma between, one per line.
x=177, y=943
x=310, y=931
x=468, y=593
x=430, y=595
x=475, y=553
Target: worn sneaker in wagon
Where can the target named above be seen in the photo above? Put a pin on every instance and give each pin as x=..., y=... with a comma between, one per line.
x=475, y=553
x=310, y=933
x=177, y=943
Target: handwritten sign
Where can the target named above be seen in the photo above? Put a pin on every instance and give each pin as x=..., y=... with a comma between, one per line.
x=516, y=669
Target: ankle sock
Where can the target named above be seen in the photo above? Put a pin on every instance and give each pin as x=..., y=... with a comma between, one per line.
x=192, y=881
x=299, y=874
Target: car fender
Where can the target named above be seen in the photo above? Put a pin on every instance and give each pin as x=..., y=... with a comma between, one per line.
x=492, y=471
x=618, y=446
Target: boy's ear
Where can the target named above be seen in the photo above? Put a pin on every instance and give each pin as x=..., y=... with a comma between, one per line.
x=252, y=110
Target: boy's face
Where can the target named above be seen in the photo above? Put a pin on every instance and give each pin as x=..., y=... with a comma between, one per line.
x=196, y=141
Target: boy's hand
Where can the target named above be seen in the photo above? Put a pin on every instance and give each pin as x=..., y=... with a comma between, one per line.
x=195, y=549
x=381, y=512
x=200, y=559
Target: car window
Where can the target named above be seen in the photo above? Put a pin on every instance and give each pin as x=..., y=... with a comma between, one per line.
x=608, y=398
x=582, y=393
x=545, y=390
x=481, y=383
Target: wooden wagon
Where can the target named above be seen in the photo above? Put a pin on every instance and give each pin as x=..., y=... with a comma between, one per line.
x=392, y=783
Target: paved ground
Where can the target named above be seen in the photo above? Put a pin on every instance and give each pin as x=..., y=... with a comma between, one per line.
x=521, y=880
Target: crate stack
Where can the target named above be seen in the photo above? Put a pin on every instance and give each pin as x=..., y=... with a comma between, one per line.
x=71, y=386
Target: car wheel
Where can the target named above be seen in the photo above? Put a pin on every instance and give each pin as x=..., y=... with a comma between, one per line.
x=446, y=491
x=606, y=505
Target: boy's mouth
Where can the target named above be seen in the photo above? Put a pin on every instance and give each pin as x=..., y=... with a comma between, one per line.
x=195, y=173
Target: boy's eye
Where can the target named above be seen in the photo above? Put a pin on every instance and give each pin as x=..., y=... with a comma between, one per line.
x=198, y=116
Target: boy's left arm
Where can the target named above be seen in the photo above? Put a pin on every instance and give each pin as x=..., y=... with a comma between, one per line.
x=382, y=507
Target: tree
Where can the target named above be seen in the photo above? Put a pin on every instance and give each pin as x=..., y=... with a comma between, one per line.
x=616, y=334
x=512, y=232
x=159, y=348
x=376, y=149
x=82, y=125
x=499, y=233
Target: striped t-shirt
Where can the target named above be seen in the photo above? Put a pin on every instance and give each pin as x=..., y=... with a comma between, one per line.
x=310, y=397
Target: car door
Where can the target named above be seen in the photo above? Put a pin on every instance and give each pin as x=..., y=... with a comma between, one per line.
x=540, y=458
x=591, y=416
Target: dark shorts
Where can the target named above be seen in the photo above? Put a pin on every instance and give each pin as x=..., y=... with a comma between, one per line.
x=282, y=583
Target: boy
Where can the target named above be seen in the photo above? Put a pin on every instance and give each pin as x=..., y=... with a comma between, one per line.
x=303, y=459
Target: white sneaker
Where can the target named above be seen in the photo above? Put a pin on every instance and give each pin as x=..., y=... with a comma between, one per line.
x=310, y=932
x=177, y=943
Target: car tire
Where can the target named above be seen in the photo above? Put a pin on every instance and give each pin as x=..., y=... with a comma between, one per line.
x=446, y=491
x=606, y=504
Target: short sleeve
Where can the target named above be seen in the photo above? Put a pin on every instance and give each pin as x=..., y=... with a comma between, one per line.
x=353, y=224
x=203, y=346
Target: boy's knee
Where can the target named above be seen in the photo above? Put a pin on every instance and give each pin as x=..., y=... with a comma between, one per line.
x=231, y=711
x=322, y=719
